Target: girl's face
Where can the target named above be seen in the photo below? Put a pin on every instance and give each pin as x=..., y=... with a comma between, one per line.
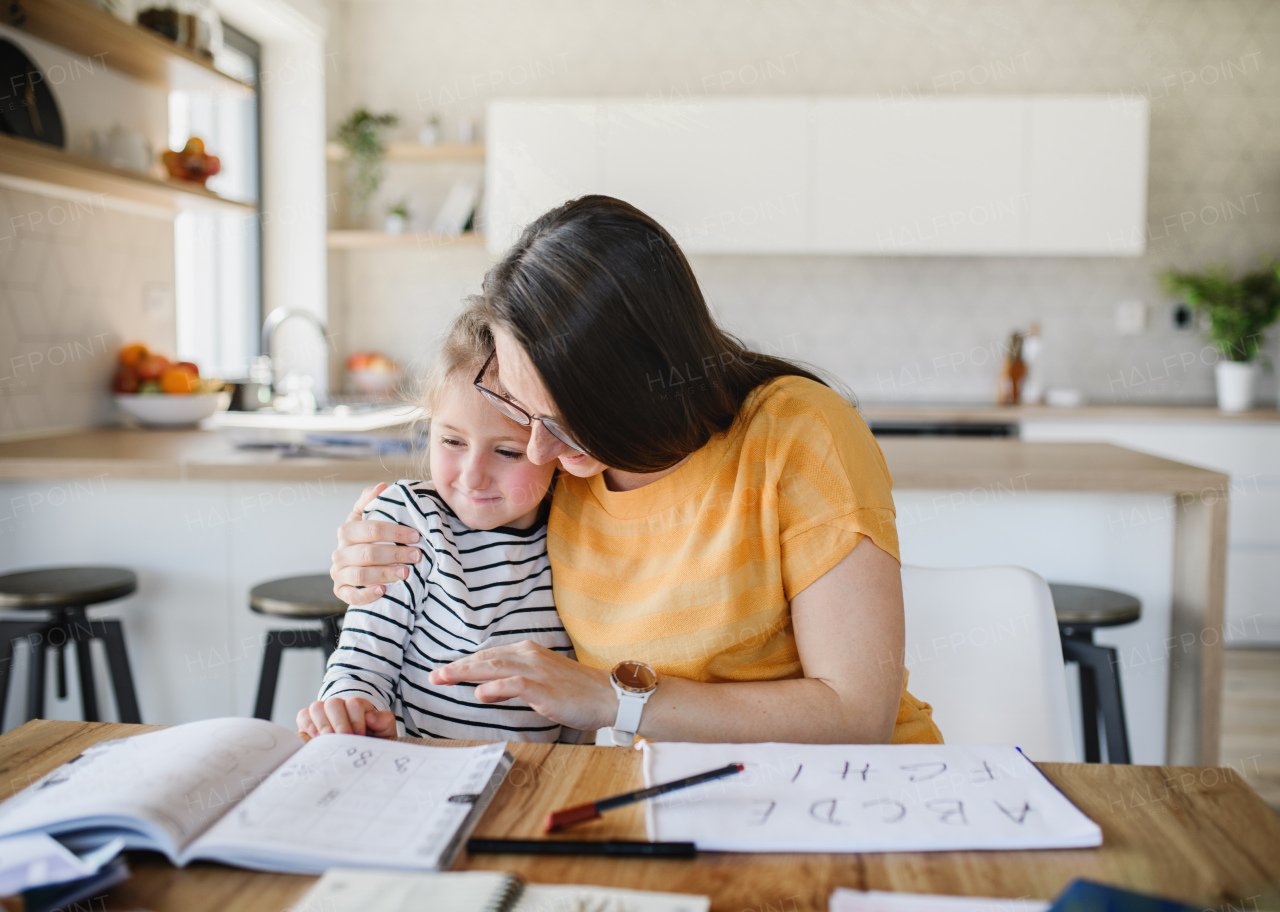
x=518, y=380
x=478, y=462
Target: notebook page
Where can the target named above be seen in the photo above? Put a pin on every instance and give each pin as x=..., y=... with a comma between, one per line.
x=843, y=900
x=344, y=890
x=861, y=798
x=350, y=890
x=550, y=898
x=179, y=779
x=356, y=801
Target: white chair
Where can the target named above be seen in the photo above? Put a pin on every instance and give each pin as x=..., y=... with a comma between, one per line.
x=983, y=651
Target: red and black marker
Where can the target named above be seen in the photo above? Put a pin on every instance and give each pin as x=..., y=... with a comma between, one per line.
x=558, y=820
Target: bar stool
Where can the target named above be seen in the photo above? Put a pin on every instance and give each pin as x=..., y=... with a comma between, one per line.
x=304, y=598
x=1080, y=611
x=66, y=592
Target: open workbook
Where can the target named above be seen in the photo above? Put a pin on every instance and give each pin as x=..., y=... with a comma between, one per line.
x=250, y=793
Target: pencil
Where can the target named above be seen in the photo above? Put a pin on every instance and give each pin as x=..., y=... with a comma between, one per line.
x=566, y=817
x=618, y=848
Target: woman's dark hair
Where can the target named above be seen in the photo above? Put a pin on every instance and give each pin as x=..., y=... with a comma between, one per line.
x=604, y=302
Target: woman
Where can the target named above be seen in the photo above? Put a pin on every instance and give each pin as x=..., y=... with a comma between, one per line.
x=722, y=516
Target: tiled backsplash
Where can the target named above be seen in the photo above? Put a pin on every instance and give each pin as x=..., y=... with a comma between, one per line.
x=892, y=328
x=76, y=280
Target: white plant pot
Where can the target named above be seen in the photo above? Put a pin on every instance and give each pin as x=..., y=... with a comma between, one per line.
x=1236, y=380
x=396, y=224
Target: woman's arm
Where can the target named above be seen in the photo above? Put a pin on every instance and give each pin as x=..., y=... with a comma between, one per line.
x=849, y=632
x=363, y=564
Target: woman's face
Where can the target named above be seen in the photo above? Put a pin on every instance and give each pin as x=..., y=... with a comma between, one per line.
x=518, y=380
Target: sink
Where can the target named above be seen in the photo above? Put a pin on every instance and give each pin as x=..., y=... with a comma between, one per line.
x=360, y=430
x=341, y=419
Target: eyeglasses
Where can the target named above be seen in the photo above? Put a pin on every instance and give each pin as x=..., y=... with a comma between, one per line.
x=519, y=415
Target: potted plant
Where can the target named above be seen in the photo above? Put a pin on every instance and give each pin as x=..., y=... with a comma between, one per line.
x=1238, y=313
x=361, y=135
x=398, y=217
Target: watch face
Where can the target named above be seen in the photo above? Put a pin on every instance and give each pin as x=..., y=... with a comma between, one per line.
x=635, y=676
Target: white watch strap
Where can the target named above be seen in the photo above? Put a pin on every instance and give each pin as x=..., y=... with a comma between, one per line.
x=630, y=708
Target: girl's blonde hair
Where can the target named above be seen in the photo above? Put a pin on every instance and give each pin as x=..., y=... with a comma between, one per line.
x=462, y=354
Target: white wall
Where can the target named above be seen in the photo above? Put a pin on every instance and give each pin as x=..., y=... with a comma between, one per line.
x=80, y=274
x=900, y=328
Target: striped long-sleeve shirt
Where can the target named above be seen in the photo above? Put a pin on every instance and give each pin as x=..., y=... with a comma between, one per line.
x=474, y=589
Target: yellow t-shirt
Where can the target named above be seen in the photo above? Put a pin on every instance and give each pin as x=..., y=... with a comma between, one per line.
x=695, y=572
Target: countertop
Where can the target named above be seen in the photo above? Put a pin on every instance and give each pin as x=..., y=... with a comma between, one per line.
x=915, y=462
x=1012, y=414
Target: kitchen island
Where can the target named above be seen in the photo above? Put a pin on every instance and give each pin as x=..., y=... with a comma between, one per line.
x=202, y=522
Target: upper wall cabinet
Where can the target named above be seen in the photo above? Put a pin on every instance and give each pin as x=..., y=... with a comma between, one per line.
x=1001, y=175
x=929, y=176
x=728, y=177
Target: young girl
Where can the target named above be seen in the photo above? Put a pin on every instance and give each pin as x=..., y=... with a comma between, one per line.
x=484, y=581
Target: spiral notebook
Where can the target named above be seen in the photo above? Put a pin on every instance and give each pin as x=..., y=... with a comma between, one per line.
x=352, y=890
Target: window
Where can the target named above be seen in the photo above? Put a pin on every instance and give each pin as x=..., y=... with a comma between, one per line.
x=217, y=255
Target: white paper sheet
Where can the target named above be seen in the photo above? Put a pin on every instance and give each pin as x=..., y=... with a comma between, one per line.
x=843, y=900
x=861, y=798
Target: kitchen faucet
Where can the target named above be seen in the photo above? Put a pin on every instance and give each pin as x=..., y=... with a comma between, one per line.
x=297, y=390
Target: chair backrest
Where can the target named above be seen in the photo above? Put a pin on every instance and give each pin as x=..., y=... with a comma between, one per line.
x=983, y=650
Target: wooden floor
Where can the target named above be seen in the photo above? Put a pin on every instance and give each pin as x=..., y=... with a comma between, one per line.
x=1251, y=719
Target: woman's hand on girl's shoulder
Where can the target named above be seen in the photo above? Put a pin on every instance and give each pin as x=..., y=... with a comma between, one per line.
x=363, y=563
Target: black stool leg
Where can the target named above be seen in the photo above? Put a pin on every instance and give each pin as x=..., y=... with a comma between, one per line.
x=37, y=639
x=112, y=635
x=270, y=673
x=80, y=630
x=1089, y=713
x=88, y=692
x=1101, y=662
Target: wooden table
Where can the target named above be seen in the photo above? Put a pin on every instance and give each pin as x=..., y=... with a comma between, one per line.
x=1196, y=834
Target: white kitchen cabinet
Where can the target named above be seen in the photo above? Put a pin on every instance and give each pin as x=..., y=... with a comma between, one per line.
x=539, y=154
x=198, y=547
x=970, y=175
x=1086, y=180
x=941, y=176
x=728, y=176
x=1248, y=452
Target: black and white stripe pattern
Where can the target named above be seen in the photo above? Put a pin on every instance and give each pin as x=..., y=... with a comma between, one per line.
x=473, y=590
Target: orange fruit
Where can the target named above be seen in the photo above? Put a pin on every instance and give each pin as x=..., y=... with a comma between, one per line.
x=132, y=355
x=177, y=380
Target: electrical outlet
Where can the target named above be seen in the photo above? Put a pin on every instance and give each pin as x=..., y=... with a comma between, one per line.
x=1183, y=316
x=1131, y=318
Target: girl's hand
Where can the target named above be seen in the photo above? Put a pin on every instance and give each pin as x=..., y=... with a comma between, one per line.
x=346, y=716
x=564, y=691
x=359, y=561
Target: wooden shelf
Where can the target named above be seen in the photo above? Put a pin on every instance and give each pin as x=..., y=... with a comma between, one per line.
x=373, y=240
x=83, y=28
x=412, y=151
x=45, y=164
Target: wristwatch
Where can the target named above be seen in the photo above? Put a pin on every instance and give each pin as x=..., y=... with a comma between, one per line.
x=634, y=682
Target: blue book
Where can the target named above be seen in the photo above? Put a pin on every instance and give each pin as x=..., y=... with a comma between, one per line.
x=1087, y=896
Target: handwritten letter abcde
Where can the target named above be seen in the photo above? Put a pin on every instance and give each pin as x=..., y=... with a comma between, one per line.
x=862, y=798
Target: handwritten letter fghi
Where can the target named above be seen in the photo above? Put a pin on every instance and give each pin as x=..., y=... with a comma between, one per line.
x=862, y=798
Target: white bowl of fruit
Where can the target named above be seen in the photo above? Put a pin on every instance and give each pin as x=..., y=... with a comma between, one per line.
x=373, y=374
x=157, y=392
